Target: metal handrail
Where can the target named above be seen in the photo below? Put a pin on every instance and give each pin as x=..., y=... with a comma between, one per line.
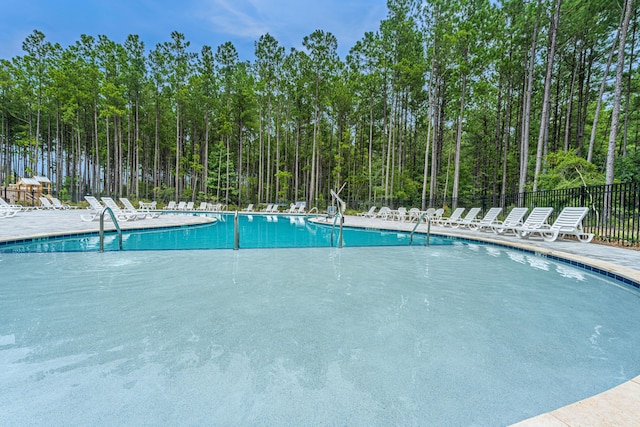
x=341, y=208
x=310, y=210
x=424, y=215
x=115, y=222
x=236, y=232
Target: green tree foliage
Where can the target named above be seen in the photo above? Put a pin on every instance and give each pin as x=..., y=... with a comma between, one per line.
x=442, y=100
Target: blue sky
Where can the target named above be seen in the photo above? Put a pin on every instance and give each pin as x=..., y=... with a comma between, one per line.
x=203, y=22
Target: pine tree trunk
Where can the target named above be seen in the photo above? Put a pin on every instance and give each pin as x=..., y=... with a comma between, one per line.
x=543, y=136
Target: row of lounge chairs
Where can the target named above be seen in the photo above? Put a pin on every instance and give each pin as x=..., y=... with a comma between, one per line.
x=53, y=203
x=128, y=213
x=46, y=202
x=190, y=206
x=568, y=222
x=402, y=214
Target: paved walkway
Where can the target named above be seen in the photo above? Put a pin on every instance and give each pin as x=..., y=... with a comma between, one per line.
x=54, y=222
x=619, y=406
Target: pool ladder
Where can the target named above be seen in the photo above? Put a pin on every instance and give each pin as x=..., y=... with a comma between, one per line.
x=428, y=218
x=115, y=222
x=340, y=214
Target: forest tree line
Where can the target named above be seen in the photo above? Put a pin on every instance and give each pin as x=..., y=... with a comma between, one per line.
x=447, y=97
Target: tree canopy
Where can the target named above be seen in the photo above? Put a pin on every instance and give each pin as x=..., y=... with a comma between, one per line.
x=445, y=98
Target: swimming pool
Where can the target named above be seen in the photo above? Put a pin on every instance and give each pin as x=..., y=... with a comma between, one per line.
x=459, y=334
x=255, y=231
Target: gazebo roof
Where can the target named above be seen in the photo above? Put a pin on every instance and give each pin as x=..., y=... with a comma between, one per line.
x=42, y=179
x=29, y=181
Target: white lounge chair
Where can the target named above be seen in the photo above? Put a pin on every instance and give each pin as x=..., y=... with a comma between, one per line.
x=119, y=213
x=182, y=206
x=383, y=213
x=535, y=222
x=568, y=223
x=129, y=208
x=468, y=219
x=371, y=213
x=437, y=215
x=8, y=210
x=455, y=216
x=249, y=208
x=59, y=205
x=399, y=214
x=292, y=208
x=145, y=206
x=171, y=206
x=46, y=204
x=274, y=208
x=302, y=207
x=268, y=208
x=415, y=214
x=95, y=208
x=513, y=220
x=8, y=207
x=490, y=218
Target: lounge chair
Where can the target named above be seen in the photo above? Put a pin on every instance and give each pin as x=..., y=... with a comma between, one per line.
x=302, y=207
x=535, y=222
x=513, y=220
x=182, y=206
x=171, y=206
x=95, y=209
x=383, y=213
x=119, y=213
x=129, y=208
x=189, y=206
x=399, y=214
x=568, y=223
x=145, y=206
x=8, y=210
x=59, y=205
x=274, y=208
x=46, y=204
x=371, y=213
x=415, y=214
x=268, y=208
x=292, y=208
x=249, y=208
x=437, y=215
x=490, y=218
x=454, y=217
x=468, y=219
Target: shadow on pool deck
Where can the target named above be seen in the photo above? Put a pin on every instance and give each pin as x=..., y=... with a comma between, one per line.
x=619, y=406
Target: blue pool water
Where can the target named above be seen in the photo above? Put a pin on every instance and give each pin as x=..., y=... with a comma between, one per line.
x=256, y=231
x=450, y=334
x=458, y=334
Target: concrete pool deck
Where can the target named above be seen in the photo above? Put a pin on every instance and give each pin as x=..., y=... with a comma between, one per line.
x=619, y=406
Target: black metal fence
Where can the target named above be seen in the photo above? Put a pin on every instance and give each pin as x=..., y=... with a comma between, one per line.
x=614, y=210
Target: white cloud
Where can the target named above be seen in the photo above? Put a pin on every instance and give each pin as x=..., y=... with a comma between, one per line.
x=234, y=18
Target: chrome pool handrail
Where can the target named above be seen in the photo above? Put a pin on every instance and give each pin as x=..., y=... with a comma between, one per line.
x=115, y=222
x=424, y=215
x=311, y=210
x=341, y=209
x=236, y=232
